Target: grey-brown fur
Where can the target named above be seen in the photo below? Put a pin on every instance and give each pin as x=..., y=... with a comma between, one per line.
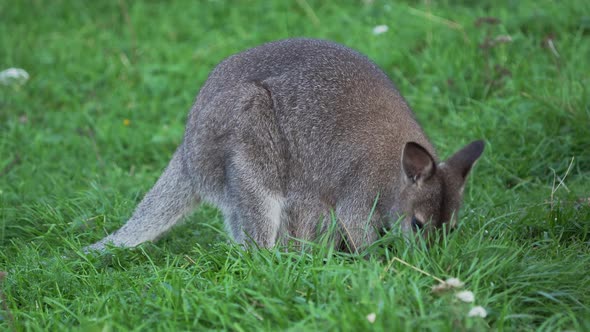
x=282, y=134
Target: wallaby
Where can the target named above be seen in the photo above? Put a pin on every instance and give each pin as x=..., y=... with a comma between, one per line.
x=286, y=136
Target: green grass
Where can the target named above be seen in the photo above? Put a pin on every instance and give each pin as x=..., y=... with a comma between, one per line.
x=71, y=170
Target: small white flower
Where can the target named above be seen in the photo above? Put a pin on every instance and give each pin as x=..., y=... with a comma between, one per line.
x=371, y=317
x=380, y=29
x=454, y=282
x=465, y=296
x=13, y=75
x=503, y=39
x=450, y=283
x=477, y=311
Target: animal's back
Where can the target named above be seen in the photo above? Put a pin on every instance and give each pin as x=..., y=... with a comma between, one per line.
x=315, y=80
x=332, y=109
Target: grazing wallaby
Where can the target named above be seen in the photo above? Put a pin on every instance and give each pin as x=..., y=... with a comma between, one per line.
x=285, y=134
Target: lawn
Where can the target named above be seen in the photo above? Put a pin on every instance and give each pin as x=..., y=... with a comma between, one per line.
x=111, y=82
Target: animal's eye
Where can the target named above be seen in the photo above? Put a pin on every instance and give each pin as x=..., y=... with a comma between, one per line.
x=417, y=224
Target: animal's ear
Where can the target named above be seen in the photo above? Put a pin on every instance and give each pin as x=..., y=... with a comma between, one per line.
x=462, y=161
x=417, y=163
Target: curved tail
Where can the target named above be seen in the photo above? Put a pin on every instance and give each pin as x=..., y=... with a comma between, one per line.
x=172, y=198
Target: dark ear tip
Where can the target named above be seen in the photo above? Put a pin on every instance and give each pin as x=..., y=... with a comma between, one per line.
x=414, y=145
x=413, y=148
x=478, y=146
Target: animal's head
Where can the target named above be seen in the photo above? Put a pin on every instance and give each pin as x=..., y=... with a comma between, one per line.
x=432, y=193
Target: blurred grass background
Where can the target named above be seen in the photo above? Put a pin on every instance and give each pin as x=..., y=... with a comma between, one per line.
x=111, y=83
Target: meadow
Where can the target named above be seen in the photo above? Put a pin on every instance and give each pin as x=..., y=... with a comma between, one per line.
x=110, y=85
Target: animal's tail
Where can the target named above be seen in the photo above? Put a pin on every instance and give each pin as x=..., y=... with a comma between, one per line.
x=172, y=197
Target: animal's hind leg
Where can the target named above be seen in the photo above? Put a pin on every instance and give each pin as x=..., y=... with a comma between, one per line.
x=256, y=217
x=255, y=171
